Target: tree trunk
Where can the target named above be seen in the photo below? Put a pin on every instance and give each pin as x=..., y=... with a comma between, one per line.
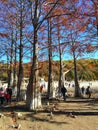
x=60, y=67
x=77, y=89
x=61, y=73
x=50, y=60
x=15, y=60
x=10, y=72
x=20, y=73
x=33, y=99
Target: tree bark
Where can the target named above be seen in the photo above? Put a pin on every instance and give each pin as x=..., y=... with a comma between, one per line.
x=20, y=73
x=33, y=99
x=50, y=60
x=77, y=89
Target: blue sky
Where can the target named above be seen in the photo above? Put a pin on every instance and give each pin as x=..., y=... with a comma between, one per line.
x=66, y=56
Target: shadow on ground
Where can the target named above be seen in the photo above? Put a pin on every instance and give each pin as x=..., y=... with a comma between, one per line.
x=20, y=107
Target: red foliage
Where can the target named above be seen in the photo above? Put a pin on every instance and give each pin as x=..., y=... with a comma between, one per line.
x=3, y=34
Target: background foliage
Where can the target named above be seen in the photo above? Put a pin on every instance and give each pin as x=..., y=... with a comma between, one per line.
x=86, y=68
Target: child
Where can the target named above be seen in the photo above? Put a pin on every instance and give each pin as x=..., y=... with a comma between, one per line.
x=8, y=96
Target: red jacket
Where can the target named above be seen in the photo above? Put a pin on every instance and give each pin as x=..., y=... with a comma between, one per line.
x=8, y=96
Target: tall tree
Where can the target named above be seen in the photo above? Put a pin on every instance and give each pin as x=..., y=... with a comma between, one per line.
x=20, y=73
x=33, y=94
x=50, y=58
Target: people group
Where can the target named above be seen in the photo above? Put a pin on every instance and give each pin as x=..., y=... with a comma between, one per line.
x=5, y=95
x=85, y=92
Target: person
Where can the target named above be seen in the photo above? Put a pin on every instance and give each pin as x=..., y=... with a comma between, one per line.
x=63, y=91
x=2, y=95
x=9, y=94
x=88, y=91
x=7, y=97
x=82, y=90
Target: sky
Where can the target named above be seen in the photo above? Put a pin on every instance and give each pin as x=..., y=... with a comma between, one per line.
x=93, y=55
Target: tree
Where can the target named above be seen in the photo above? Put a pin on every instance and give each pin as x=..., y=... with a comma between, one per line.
x=20, y=73
x=50, y=57
x=33, y=94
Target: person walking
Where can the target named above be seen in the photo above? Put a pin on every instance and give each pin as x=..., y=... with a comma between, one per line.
x=63, y=91
x=88, y=91
x=82, y=91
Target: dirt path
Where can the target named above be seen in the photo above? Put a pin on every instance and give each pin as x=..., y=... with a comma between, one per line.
x=75, y=114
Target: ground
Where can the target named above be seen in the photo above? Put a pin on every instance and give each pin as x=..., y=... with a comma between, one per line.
x=74, y=114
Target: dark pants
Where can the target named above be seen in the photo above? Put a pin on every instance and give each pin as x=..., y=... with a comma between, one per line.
x=88, y=94
x=1, y=100
x=64, y=96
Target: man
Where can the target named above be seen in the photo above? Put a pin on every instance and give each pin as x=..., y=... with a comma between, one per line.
x=82, y=91
x=64, y=90
x=88, y=91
